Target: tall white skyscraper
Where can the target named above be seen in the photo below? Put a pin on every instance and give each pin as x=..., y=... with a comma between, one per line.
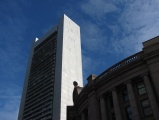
x=54, y=63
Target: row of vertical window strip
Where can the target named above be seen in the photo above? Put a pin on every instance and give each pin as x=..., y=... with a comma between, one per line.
x=40, y=81
x=42, y=55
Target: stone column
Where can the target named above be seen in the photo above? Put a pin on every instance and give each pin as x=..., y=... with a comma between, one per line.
x=152, y=98
x=93, y=107
x=133, y=103
x=116, y=105
x=93, y=101
x=83, y=116
x=79, y=117
x=103, y=108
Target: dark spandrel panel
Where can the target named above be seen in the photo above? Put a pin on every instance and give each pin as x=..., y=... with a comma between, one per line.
x=145, y=103
x=111, y=101
x=113, y=116
x=141, y=88
x=147, y=111
x=129, y=113
x=40, y=89
x=142, y=91
x=125, y=95
x=146, y=107
x=140, y=85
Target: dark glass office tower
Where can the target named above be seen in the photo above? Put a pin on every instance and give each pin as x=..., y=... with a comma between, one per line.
x=55, y=62
x=39, y=96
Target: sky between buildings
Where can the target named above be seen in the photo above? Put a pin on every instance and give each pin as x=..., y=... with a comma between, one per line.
x=111, y=30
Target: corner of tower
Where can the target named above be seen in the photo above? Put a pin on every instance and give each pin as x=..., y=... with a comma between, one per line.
x=65, y=15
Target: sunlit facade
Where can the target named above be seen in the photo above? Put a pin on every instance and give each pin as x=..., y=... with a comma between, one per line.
x=54, y=63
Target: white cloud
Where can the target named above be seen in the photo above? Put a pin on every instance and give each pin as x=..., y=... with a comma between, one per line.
x=119, y=31
x=89, y=66
x=92, y=36
x=87, y=63
x=139, y=22
x=13, y=28
x=8, y=115
x=98, y=8
x=9, y=101
x=136, y=21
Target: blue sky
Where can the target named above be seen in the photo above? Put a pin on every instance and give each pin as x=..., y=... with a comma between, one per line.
x=111, y=30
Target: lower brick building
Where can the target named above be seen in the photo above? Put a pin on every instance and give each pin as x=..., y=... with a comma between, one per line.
x=129, y=90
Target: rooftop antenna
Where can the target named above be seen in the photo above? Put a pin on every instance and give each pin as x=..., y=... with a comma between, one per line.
x=36, y=39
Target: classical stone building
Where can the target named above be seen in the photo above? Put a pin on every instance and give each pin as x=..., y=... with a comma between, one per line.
x=129, y=90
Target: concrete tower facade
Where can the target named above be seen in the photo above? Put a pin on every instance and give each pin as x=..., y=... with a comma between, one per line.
x=54, y=63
